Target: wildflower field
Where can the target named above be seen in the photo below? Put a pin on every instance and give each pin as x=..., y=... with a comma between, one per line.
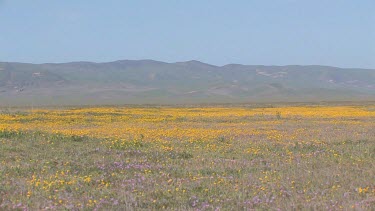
x=188, y=158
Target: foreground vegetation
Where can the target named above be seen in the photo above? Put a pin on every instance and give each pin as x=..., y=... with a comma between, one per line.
x=188, y=158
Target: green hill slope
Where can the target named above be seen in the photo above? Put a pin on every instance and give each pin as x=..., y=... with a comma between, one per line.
x=148, y=81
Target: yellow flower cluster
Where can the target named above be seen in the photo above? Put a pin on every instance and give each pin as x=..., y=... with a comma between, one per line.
x=191, y=124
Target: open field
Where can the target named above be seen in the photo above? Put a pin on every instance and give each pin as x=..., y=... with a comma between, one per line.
x=211, y=158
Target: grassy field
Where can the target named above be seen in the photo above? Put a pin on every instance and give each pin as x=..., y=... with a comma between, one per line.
x=212, y=158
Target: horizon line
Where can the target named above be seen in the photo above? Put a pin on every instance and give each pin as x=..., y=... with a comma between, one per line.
x=177, y=62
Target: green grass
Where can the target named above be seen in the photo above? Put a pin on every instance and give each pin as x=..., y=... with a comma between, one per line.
x=43, y=171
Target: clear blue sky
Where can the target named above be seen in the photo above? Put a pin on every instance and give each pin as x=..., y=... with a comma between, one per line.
x=271, y=32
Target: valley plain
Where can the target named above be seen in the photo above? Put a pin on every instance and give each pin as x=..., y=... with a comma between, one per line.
x=237, y=157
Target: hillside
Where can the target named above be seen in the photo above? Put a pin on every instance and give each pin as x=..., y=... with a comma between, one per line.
x=154, y=82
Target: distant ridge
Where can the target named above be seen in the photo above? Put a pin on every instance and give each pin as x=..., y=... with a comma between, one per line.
x=156, y=82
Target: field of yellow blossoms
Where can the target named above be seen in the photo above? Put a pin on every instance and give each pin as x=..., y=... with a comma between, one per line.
x=188, y=158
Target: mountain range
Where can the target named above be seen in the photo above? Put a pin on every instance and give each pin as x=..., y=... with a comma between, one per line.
x=191, y=82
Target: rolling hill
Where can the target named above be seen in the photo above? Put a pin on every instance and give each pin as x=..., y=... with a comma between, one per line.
x=155, y=82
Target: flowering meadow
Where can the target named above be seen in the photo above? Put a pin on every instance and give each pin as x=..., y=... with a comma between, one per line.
x=188, y=158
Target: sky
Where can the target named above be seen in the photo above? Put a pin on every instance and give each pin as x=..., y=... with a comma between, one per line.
x=260, y=32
